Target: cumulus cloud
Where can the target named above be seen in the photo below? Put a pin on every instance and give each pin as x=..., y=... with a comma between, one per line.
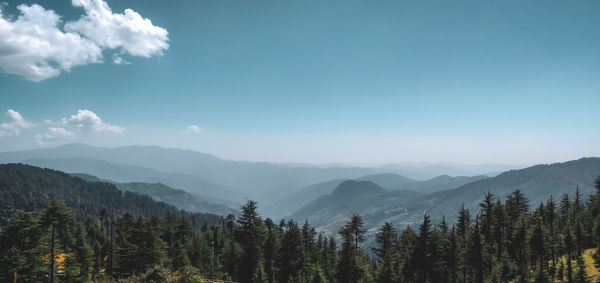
x=192, y=129
x=54, y=135
x=15, y=123
x=87, y=121
x=83, y=123
x=129, y=31
x=34, y=46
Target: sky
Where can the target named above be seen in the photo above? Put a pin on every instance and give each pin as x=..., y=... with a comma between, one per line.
x=335, y=81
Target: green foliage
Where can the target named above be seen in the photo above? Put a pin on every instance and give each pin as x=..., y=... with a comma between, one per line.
x=503, y=242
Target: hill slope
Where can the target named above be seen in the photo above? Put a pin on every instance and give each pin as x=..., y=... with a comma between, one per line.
x=29, y=188
x=389, y=181
x=162, y=192
x=261, y=181
x=176, y=197
x=441, y=183
x=538, y=183
x=204, y=190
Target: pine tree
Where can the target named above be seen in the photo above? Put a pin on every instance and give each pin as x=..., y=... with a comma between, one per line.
x=463, y=227
x=250, y=237
x=551, y=212
x=385, y=238
x=308, y=243
x=356, y=229
x=537, y=245
x=581, y=276
x=517, y=205
x=348, y=269
x=58, y=217
x=475, y=254
x=404, y=252
x=577, y=202
x=570, y=247
x=520, y=250
x=421, y=261
x=20, y=249
x=271, y=251
x=487, y=215
x=290, y=253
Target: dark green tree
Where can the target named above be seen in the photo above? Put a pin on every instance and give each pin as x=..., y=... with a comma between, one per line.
x=250, y=236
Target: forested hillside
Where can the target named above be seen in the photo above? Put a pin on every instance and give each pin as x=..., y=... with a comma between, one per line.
x=176, y=197
x=29, y=188
x=537, y=183
x=203, y=189
x=293, y=202
x=506, y=240
x=161, y=192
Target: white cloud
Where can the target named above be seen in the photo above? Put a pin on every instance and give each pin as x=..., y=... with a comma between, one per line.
x=118, y=60
x=34, y=46
x=15, y=123
x=129, y=31
x=87, y=121
x=192, y=129
x=54, y=135
x=84, y=123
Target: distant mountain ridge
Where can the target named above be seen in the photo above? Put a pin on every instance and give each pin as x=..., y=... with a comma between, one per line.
x=354, y=189
x=401, y=208
x=362, y=197
x=389, y=181
x=264, y=182
x=29, y=188
x=162, y=192
x=176, y=197
x=206, y=191
x=441, y=183
x=221, y=179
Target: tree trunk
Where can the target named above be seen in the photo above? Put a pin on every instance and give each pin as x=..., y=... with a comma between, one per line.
x=52, y=256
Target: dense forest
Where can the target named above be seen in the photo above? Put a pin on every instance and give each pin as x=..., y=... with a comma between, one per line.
x=506, y=241
x=30, y=188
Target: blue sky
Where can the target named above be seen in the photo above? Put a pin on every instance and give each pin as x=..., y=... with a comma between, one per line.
x=329, y=81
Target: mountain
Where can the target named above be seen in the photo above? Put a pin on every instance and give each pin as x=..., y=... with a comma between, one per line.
x=441, y=183
x=405, y=207
x=29, y=188
x=389, y=181
x=294, y=201
x=88, y=177
x=206, y=191
x=538, y=183
x=352, y=189
x=426, y=170
x=264, y=182
x=362, y=197
x=162, y=192
x=349, y=195
x=176, y=197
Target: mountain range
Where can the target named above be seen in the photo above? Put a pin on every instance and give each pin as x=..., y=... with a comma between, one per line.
x=326, y=196
x=389, y=181
x=406, y=206
x=209, y=178
x=164, y=193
